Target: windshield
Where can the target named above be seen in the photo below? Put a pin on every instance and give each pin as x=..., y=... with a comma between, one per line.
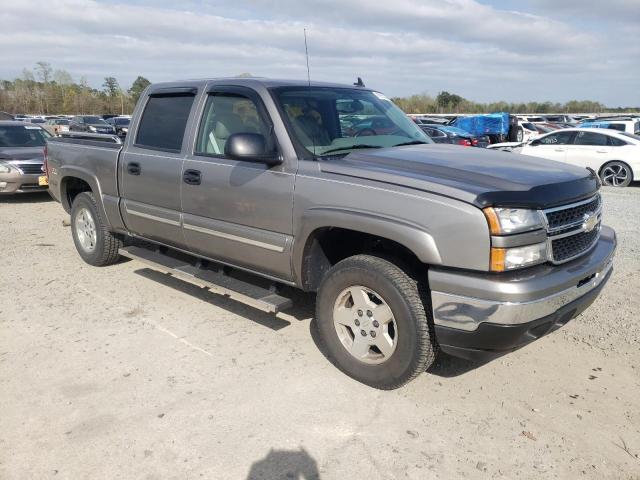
x=121, y=121
x=334, y=121
x=22, y=136
x=95, y=121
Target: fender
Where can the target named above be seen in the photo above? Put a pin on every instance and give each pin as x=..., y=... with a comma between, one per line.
x=107, y=204
x=412, y=236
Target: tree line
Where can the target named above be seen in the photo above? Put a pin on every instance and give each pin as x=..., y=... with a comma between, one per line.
x=44, y=90
x=446, y=102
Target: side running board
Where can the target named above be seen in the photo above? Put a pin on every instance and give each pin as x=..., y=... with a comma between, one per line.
x=264, y=299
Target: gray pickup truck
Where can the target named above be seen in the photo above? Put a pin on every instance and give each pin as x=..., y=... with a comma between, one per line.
x=252, y=186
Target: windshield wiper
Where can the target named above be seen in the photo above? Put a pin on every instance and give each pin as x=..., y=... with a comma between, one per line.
x=412, y=142
x=352, y=147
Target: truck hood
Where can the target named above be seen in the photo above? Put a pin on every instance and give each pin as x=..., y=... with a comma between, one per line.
x=22, y=153
x=474, y=175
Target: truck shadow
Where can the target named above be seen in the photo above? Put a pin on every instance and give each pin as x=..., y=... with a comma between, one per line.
x=447, y=366
x=303, y=308
x=302, y=303
x=29, y=197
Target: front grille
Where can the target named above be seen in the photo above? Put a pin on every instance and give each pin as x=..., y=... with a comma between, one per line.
x=30, y=168
x=561, y=217
x=572, y=246
x=571, y=229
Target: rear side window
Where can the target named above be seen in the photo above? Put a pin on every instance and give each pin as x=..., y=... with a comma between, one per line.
x=617, y=142
x=164, y=121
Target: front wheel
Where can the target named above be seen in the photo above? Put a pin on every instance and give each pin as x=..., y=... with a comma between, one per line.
x=372, y=320
x=616, y=174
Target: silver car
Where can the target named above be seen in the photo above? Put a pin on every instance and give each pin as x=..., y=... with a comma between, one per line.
x=22, y=157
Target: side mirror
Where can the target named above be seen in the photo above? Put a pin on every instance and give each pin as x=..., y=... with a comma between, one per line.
x=250, y=147
x=534, y=143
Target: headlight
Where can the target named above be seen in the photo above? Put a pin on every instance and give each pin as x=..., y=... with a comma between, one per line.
x=503, y=221
x=4, y=168
x=92, y=129
x=518, y=257
x=125, y=129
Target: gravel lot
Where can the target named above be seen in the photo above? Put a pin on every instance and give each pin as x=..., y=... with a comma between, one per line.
x=120, y=372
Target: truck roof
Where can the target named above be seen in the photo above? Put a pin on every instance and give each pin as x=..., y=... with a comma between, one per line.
x=248, y=82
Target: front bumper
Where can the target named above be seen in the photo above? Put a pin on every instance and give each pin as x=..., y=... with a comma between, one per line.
x=17, y=182
x=479, y=316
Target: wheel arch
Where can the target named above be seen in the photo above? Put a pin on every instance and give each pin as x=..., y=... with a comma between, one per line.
x=75, y=181
x=330, y=235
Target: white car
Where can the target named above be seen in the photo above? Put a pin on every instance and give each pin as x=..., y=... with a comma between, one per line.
x=614, y=155
x=629, y=125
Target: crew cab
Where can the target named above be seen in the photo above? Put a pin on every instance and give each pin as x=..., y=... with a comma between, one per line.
x=251, y=186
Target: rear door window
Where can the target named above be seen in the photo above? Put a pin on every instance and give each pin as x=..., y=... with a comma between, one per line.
x=591, y=138
x=164, y=121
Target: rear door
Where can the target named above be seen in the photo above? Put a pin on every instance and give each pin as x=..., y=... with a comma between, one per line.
x=237, y=211
x=553, y=146
x=589, y=149
x=151, y=167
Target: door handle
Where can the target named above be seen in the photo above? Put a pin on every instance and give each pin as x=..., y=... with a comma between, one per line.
x=133, y=168
x=559, y=149
x=602, y=151
x=192, y=177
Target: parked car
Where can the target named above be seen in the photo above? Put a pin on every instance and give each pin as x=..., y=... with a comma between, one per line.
x=372, y=126
x=91, y=123
x=411, y=246
x=628, y=124
x=35, y=120
x=529, y=131
x=455, y=136
x=21, y=157
x=614, y=155
x=568, y=119
x=121, y=124
x=56, y=126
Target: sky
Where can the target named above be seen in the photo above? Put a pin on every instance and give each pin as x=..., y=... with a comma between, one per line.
x=490, y=50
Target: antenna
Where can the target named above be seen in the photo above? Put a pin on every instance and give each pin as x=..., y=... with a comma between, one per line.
x=306, y=52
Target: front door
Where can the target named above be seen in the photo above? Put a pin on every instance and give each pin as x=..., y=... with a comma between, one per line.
x=151, y=168
x=235, y=211
x=552, y=146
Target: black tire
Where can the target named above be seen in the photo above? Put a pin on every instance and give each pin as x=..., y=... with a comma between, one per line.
x=616, y=174
x=105, y=250
x=416, y=348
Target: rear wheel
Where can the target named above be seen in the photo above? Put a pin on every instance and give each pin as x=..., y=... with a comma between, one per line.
x=616, y=174
x=373, y=322
x=95, y=243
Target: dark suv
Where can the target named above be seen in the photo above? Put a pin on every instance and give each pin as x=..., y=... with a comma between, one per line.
x=91, y=124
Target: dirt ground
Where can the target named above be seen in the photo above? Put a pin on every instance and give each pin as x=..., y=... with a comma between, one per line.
x=123, y=373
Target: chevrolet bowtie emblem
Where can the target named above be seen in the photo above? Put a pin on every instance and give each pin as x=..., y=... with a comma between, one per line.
x=590, y=222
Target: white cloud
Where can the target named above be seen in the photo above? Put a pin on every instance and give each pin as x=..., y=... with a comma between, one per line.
x=406, y=47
